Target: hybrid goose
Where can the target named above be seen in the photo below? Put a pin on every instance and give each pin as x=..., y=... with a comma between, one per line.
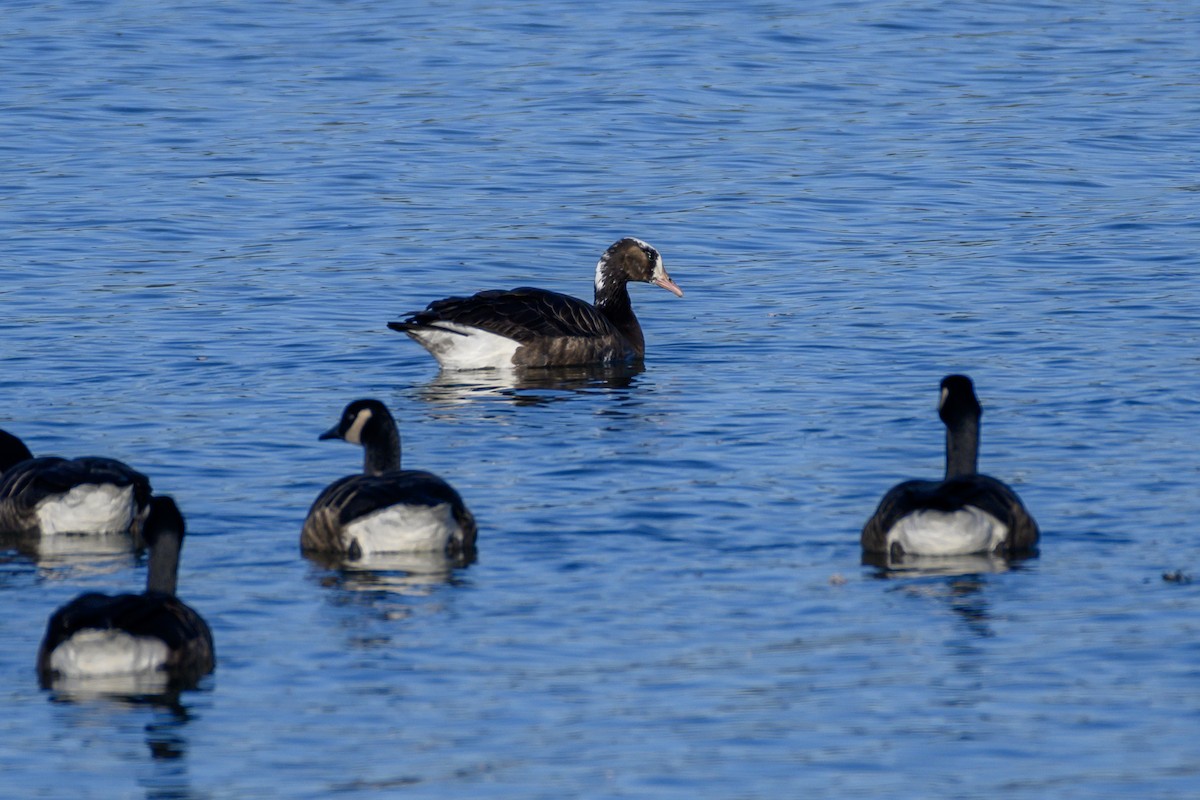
x=963, y=514
x=50, y=495
x=528, y=327
x=385, y=509
x=152, y=635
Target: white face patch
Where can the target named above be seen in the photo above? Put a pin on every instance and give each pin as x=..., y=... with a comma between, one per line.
x=354, y=435
x=942, y=399
x=660, y=270
x=601, y=266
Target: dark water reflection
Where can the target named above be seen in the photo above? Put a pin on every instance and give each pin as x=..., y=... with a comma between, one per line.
x=67, y=553
x=414, y=574
x=164, y=718
x=907, y=565
x=525, y=386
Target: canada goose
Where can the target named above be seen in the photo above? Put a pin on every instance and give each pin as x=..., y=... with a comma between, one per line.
x=528, y=327
x=52, y=495
x=385, y=509
x=965, y=513
x=153, y=634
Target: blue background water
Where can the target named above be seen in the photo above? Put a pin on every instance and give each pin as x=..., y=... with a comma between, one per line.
x=210, y=211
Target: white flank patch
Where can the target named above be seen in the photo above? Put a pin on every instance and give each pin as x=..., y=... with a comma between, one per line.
x=940, y=533
x=94, y=653
x=462, y=347
x=87, y=508
x=401, y=528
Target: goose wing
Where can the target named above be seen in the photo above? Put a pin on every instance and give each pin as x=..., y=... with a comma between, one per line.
x=981, y=491
x=521, y=314
x=31, y=481
x=358, y=495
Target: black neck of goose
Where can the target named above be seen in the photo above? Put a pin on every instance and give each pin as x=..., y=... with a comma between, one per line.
x=164, y=562
x=381, y=447
x=613, y=301
x=962, y=446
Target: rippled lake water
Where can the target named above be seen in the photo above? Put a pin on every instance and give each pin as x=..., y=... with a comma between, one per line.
x=211, y=211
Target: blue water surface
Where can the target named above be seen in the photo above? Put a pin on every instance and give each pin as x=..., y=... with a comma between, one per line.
x=210, y=211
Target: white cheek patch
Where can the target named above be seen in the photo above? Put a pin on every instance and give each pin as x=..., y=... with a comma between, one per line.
x=601, y=266
x=942, y=399
x=354, y=435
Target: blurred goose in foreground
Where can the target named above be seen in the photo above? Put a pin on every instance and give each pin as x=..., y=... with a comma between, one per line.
x=528, y=327
x=965, y=513
x=154, y=634
x=385, y=509
x=52, y=495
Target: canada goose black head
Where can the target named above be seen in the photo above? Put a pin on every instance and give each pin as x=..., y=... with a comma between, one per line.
x=958, y=401
x=368, y=423
x=164, y=519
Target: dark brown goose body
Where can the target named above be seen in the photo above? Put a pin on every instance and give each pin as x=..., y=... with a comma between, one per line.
x=27, y=483
x=529, y=327
x=156, y=615
x=989, y=514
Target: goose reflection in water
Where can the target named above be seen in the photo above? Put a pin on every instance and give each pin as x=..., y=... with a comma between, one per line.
x=963, y=594
x=908, y=565
x=416, y=574
x=69, y=553
x=165, y=728
x=528, y=386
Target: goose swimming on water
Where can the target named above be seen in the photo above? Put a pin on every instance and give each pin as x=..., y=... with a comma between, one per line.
x=153, y=635
x=385, y=509
x=963, y=514
x=528, y=327
x=50, y=495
